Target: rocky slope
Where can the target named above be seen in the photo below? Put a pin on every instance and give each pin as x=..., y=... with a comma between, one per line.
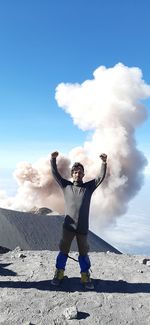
x=39, y=231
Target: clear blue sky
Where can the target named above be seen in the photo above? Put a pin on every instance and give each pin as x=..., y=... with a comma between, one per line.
x=45, y=42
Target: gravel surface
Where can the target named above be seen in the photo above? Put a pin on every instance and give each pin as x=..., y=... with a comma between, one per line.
x=121, y=294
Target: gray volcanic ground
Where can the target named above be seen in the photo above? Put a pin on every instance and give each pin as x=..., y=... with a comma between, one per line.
x=121, y=294
x=122, y=282
x=39, y=231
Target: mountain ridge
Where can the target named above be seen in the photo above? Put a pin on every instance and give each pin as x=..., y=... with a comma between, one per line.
x=32, y=231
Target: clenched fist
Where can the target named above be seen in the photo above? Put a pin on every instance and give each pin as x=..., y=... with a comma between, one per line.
x=103, y=156
x=54, y=154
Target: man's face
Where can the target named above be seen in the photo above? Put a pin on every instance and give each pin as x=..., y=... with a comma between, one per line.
x=77, y=174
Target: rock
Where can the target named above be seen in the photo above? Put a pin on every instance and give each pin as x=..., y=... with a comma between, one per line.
x=140, y=306
x=70, y=313
x=43, y=210
x=22, y=255
x=18, y=249
x=146, y=261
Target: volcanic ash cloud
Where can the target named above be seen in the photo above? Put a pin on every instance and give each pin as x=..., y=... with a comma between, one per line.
x=110, y=106
x=36, y=186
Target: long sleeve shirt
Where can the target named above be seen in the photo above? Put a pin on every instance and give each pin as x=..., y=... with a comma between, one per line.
x=77, y=197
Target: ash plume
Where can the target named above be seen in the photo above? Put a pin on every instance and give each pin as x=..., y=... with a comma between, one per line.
x=109, y=106
x=36, y=186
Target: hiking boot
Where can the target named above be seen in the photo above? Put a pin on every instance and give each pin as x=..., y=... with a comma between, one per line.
x=58, y=277
x=86, y=281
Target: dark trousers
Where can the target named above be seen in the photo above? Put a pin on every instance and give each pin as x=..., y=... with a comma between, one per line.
x=67, y=238
x=64, y=246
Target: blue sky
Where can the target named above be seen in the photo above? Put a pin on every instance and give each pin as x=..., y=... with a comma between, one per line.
x=46, y=42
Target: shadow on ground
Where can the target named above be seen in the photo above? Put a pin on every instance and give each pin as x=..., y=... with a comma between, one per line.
x=73, y=284
x=6, y=272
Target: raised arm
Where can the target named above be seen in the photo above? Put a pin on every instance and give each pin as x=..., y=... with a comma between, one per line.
x=101, y=176
x=59, y=179
x=94, y=183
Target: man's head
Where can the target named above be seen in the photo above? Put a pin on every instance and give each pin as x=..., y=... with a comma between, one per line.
x=77, y=172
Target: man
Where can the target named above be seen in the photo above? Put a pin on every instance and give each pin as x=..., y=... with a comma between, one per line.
x=77, y=197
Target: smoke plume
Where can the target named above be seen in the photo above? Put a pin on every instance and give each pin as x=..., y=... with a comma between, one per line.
x=111, y=107
x=36, y=186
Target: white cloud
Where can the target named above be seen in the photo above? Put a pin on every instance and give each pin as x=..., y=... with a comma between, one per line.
x=130, y=233
x=111, y=106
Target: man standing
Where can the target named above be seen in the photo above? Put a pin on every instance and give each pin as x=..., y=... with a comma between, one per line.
x=77, y=197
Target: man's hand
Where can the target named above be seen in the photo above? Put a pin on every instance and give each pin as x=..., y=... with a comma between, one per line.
x=54, y=154
x=103, y=156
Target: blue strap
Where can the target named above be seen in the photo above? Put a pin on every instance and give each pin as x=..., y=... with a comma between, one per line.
x=61, y=261
x=84, y=262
